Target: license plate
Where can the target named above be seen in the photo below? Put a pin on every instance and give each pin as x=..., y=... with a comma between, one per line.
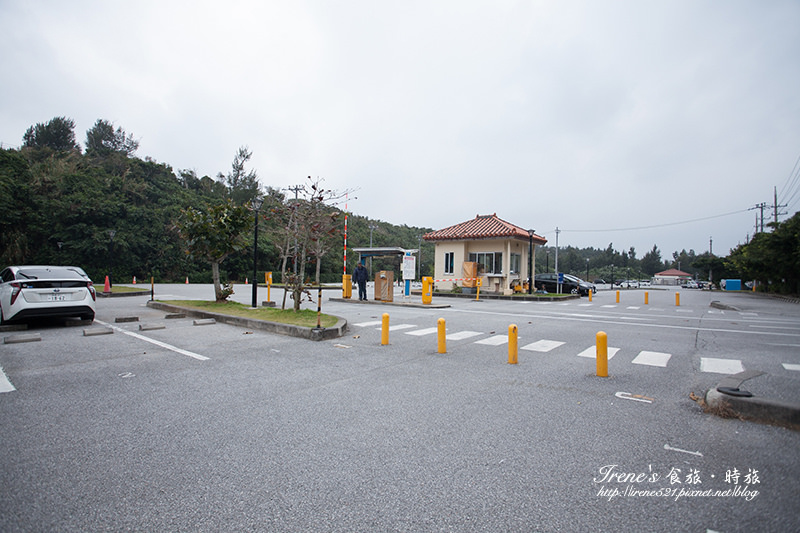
x=57, y=298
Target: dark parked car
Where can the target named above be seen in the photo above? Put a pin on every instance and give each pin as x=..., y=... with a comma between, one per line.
x=571, y=284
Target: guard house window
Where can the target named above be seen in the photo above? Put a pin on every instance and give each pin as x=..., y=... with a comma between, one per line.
x=488, y=262
x=448, y=262
x=516, y=259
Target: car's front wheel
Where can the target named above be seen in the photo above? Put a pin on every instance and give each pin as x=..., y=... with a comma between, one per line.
x=574, y=291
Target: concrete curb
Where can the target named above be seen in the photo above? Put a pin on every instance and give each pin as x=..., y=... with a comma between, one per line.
x=418, y=305
x=338, y=330
x=757, y=409
x=102, y=294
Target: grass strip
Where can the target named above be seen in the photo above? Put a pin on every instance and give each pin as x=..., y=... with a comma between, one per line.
x=304, y=318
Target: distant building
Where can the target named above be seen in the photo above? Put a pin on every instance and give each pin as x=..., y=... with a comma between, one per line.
x=498, y=250
x=672, y=276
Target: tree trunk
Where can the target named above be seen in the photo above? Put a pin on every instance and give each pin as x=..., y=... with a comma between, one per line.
x=217, y=287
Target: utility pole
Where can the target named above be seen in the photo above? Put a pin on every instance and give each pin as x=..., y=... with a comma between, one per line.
x=775, y=206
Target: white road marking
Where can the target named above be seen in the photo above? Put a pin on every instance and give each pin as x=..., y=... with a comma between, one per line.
x=496, y=340
x=791, y=366
x=543, y=345
x=591, y=352
x=720, y=366
x=368, y=324
x=668, y=447
x=421, y=332
x=461, y=335
x=157, y=343
x=5, y=384
x=400, y=326
x=652, y=358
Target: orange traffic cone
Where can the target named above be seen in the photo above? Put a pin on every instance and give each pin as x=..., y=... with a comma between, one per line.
x=245, y=281
x=107, y=287
x=134, y=280
x=187, y=280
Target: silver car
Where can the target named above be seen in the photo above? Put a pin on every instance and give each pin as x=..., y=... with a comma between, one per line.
x=45, y=291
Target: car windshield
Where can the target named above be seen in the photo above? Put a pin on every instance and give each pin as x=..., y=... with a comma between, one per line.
x=573, y=278
x=50, y=273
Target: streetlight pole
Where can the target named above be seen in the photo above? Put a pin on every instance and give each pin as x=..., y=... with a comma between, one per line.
x=530, y=260
x=587, y=269
x=111, y=234
x=256, y=204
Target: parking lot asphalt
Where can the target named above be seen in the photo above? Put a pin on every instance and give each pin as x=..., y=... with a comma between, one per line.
x=132, y=430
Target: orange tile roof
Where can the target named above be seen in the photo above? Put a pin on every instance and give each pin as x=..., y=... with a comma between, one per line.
x=482, y=227
x=675, y=273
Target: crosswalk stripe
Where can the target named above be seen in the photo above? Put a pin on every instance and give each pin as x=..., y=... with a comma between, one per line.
x=720, y=366
x=652, y=358
x=543, y=345
x=461, y=335
x=368, y=324
x=397, y=327
x=591, y=352
x=496, y=340
x=421, y=332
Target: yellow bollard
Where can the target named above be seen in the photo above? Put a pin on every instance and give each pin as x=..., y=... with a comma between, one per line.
x=442, y=336
x=617, y=296
x=427, y=290
x=590, y=295
x=602, y=354
x=646, y=298
x=677, y=299
x=268, y=281
x=513, y=344
x=347, y=286
x=385, y=329
x=478, y=291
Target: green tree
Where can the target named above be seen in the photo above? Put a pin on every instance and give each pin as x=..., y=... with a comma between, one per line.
x=772, y=259
x=213, y=234
x=651, y=262
x=103, y=139
x=57, y=134
x=242, y=184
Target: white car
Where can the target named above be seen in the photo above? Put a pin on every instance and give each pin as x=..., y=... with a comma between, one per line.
x=45, y=291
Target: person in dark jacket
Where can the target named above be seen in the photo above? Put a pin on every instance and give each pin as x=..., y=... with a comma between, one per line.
x=360, y=277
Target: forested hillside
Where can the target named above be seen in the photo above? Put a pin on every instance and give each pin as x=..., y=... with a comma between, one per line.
x=106, y=210
x=110, y=212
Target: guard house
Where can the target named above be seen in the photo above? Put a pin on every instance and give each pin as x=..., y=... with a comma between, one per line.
x=384, y=280
x=487, y=247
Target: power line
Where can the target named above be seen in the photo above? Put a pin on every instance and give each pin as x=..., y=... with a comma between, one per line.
x=637, y=228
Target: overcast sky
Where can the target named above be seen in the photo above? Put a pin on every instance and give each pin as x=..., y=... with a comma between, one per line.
x=597, y=117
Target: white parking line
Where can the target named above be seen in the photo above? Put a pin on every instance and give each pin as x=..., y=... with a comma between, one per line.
x=5, y=384
x=157, y=343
